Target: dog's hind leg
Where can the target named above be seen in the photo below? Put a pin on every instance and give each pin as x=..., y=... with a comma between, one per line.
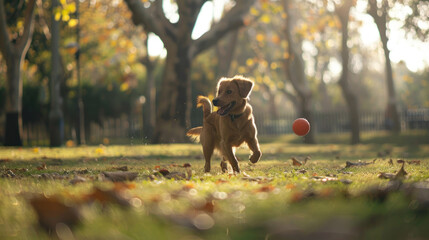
x=228, y=153
x=208, y=148
x=224, y=165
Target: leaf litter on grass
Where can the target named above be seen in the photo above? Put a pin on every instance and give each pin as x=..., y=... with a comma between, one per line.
x=206, y=202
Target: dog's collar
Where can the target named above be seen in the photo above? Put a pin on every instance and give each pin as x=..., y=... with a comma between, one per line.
x=235, y=116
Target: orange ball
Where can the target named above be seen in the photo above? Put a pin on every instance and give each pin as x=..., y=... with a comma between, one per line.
x=301, y=126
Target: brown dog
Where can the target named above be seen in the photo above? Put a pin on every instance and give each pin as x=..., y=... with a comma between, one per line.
x=231, y=125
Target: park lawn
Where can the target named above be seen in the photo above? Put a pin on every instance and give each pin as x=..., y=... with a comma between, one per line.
x=272, y=199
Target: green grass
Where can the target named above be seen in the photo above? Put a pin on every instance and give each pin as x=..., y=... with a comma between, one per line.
x=224, y=206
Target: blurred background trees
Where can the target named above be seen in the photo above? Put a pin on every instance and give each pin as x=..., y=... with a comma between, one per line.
x=143, y=62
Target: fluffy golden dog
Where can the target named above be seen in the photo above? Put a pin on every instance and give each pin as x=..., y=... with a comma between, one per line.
x=232, y=124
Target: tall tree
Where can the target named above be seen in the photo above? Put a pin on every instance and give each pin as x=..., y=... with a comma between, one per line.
x=379, y=11
x=149, y=107
x=343, y=13
x=295, y=68
x=56, y=118
x=14, y=47
x=173, y=115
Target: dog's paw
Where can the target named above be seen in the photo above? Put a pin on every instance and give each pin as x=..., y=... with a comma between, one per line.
x=224, y=166
x=254, y=158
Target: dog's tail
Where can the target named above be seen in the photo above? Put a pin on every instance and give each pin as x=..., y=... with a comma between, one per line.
x=194, y=133
x=206, y=104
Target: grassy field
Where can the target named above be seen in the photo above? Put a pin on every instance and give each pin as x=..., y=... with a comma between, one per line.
x=273, y=199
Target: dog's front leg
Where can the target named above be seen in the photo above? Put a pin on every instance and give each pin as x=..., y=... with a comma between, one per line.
x=228, y=153
x=254, y=147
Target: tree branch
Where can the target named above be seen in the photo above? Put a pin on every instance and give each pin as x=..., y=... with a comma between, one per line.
x=189, y=11
x=152, y=19
x=233, y=19
x=23, y=43
x=42, y=21
x=6, y=45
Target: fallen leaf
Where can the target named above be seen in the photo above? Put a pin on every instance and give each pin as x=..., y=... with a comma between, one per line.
x=123, y=168
x=306, y=159
x=208, y=206
x=415, y=162
x=187, y=165
x=295, y=162
x=299, y=196
x=188, y=186
x=257, y=179
x=384, y=175
x=120, y=176
x=51, y=211
x=176, y=175
x=356, y=164
x=398, y=176
x=4, y=160
x=120, y=186
x=346, y=181
x=77, y=179
x=9, y=174
x=42, y=167
x=266, y=188
x=324, y=178
x=401, y=173
x=104, y=197
x=220, y=181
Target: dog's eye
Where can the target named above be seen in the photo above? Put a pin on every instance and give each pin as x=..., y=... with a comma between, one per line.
x=228, y=91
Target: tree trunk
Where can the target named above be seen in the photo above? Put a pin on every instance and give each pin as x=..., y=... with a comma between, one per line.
x=14, y=53
x=173, y=115
x=13, y=127
x=225, y=52
x=56, y=119
x=149, y=107
x=296, y=73
x=380, y=16
x=343, y=13
x=174, y=109
x=393, y=121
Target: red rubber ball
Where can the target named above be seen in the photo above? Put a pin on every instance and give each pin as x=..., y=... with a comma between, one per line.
x=301, y=126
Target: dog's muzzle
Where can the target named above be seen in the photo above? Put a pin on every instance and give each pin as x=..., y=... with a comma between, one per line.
x=225, y=109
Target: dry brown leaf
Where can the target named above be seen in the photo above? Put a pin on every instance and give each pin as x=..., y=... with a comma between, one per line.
x=266, y=188
x=42, y=167
x=392, y=176
x=120, y=176
x=104, y=197
x=384, y=175
x=415, y=162
x=77, y=179
x=401, y=173
x=356, y=164
x=295, y=162
x=123, y=168
x=51, y=211
x=324, y=178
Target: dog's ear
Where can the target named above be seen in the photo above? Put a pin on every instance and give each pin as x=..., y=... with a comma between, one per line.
x=244, y=86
